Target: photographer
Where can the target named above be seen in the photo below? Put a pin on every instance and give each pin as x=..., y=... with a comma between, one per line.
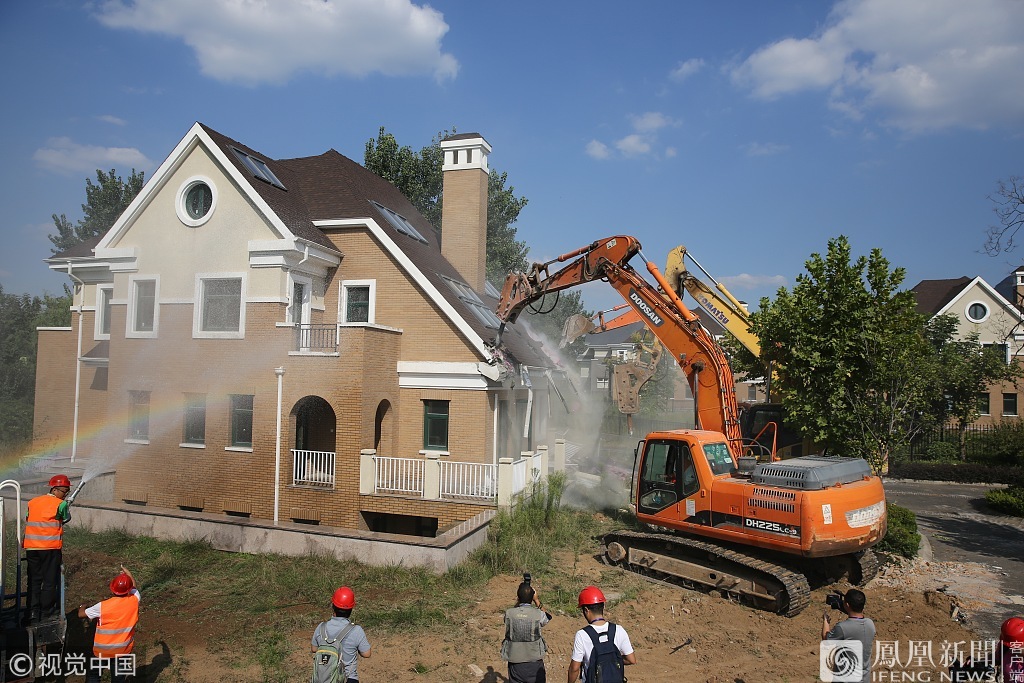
x=524, y=647
x=855, y=627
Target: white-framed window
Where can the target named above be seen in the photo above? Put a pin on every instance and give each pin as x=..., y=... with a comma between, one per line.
x=104, y=295
x=358, y=302
x=241, y=421
x=601, y=383
x=299, y=299
x=143, y=307
x=977, y=311
x=984, y=405
x=1001, y=349
x=196, y=201
x=1010, y=404
x=219, y=309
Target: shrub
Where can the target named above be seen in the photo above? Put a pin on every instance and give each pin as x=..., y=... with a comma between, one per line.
x=1009, y=500
x=964, y=472
x=901, y=537
x=1003, y=443
x=942, y=451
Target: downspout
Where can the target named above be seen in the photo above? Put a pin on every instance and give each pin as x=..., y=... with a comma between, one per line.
x=78, y=362
x=277, y=457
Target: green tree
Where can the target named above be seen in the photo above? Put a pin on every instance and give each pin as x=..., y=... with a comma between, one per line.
x=850, y=349
x=965, y=370
x=105, y=201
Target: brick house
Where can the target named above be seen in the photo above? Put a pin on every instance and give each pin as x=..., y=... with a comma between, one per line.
x=251, y=330
x=987, y=310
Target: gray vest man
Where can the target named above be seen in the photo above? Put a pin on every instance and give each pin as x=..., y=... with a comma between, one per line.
x=524, y=647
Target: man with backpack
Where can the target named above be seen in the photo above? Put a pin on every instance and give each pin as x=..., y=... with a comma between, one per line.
x=601, y=649
x=336, y=643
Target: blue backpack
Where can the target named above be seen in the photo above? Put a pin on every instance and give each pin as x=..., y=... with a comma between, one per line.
x=605, y=665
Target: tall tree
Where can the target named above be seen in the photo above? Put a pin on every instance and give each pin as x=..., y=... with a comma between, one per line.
x=849, y=348
x=105, y=201
x=1009, y=207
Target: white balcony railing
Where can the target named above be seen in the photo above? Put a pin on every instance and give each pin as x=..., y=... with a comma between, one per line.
x=469, y=480
x=398, y=475
x=313, y=468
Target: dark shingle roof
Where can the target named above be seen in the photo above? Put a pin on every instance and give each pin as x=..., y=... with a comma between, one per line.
x=933, y=295
x=330, y=186
x=80, y=250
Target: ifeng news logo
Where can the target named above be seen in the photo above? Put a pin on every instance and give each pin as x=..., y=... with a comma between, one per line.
x=841, y=661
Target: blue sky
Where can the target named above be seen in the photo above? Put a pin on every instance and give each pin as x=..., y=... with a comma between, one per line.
x=751, y=132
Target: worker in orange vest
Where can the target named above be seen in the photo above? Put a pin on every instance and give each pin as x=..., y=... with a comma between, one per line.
x=115, y=632
x=44, y=529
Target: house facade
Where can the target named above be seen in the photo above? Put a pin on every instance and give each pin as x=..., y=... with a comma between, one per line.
x=988, y=311
x=251, y=329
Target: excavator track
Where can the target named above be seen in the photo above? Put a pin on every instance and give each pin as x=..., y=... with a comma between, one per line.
x=698, y=564
x=867, y=567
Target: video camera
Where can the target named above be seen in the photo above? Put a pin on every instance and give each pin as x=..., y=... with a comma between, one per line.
x=526, y=577
x=835, y=600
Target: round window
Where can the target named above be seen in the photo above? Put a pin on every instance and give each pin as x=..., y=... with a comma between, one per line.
x=198, y=201
x=977, y=312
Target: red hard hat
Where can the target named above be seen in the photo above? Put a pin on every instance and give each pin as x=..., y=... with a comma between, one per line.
x=1012, y=630
x=591, y=595
x=344, y=598
x=121, y=584
x=59, y=480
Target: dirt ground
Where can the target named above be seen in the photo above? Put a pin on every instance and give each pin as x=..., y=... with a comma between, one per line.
x=679, y=635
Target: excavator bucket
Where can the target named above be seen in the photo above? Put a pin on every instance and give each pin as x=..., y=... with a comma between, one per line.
x=575, y=327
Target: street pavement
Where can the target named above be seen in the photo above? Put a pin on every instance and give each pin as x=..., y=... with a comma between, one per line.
x=960, y=527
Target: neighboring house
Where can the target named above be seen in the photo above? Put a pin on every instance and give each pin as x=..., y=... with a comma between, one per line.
x=987, y=310
x=246, y=311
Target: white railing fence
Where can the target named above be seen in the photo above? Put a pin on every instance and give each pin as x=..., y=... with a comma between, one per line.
x=313, y=468
x=398, y=475
x=469, y=480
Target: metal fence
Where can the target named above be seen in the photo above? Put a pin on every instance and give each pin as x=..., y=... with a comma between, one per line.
x=398, y=475
x=469, y=480
x=924, y=445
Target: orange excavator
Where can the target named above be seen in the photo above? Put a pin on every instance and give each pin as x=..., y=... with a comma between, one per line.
x=719, y=519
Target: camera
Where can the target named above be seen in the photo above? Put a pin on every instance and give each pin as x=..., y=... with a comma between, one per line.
x=526, y=577
x=835, y=600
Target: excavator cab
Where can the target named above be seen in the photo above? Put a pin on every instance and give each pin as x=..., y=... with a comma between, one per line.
x=668, y=475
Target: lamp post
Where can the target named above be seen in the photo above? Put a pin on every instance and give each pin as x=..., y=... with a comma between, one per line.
x=277, y=457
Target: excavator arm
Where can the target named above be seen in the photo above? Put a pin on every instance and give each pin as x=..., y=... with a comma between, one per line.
x=663, y=312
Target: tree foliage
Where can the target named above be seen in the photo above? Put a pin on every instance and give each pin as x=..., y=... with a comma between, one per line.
x=854, y=365
x=1009, y=208
x=105, y=201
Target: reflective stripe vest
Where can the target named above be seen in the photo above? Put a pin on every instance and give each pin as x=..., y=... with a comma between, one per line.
x=42, y=529
x=115, y=632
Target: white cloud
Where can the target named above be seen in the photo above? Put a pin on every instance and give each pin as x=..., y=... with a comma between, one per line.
x=746, y=281
x=670, y=152
x=268, y=41
x=651, y=121
x=919, y=65
x=63, y=155
x=598, y=150
x=109, y=118
x=633, y=145
x=686, y=69
x=764, y=149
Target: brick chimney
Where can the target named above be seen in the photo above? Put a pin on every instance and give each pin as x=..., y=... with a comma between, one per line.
x=464, y=208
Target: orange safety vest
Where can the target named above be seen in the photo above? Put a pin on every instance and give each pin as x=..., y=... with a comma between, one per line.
x=115, y=632
x=42, y=529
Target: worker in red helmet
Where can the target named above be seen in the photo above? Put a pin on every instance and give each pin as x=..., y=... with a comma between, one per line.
x=43, y=543
x=114, y=641
x=336, y=643
x=600, y=644
x=1011, y=650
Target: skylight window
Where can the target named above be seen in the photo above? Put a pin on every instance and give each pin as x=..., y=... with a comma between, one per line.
x=399, y=223
x=258, y=168
x=491, y=291
x=466, y=294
